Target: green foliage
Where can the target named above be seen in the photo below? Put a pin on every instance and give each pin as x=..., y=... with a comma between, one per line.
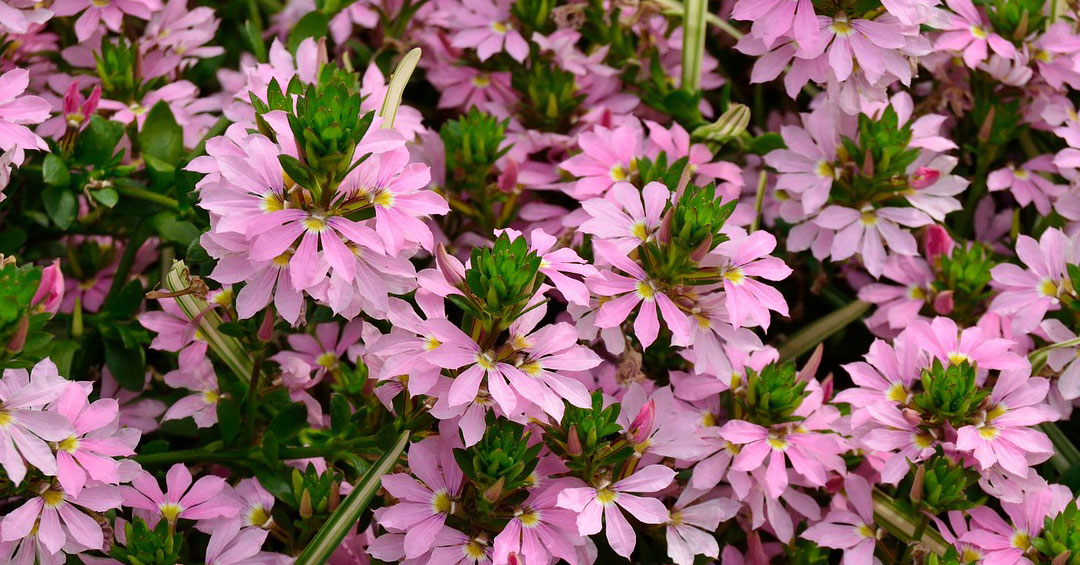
x=658, y=170
x=877, y=160
x=1016, y=18
x=588, y=438
x=949, y=394
x=148, y=546
x=533, y=16
x=473, y=142
x=17, y=288
x=805, y=552
x=698, y=217
x=966, y=272
x=502, y=462
x=772, y=395
x=550, y=100
x=1061, y=535
x=941, y=486
x=500, y=281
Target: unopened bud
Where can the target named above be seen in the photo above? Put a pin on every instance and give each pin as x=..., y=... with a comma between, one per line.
x=917, y=484
x=508, y=180
x=1063, y=557
x=827, y=385
x=306, y=510
x=943, y=303
x=987, y=126
x=731, y=124
x=18, y=339
x=663, y=235
x=911, y=416
x=923, y=177
x=494, y=492
x=642, y=426
x=514, y=559
x=937, y=241
x=449, y=267
x=335, y=497
x=811, y=367
x=702, y=249
x=266, y=328
x=573, y=442
x=868, y=168
x=50, y=291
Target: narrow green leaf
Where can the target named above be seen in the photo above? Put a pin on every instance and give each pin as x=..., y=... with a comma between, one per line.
x=398, y=80
x=693, y=47
x=817, y=332
x=228, y=414
x=346, y=516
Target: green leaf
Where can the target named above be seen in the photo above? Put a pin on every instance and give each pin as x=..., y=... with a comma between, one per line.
x=61, y=206
x=228, y=414
x=124, y=304
x=128, y=366
x=346, y=516
x=161, y=137
x=55, y=171
x=314, y=24
x=289, y=421
x=62, y=352
x=106, y=196
x=97, y=142
x=175, y=230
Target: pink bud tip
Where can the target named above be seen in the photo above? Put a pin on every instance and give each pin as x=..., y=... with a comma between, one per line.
x=924, y=177
x=937, y=242
x=943, y=303
x=642, y=426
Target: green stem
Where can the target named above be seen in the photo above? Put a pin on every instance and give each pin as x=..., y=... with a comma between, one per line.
x=817, y=332
x=903, y=526
x=148, y=196
x=759, y=199
x=213, y=452
x=693, y=47
x=916, y=538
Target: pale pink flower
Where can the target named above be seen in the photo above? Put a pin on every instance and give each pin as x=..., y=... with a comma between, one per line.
x=57, y=516
x=89, y=452
x=874, y=44
x=806, y=165
x=1065, y=361
x=543, y=355
x=111, y=12
x=690, y=526
x=540, y=530
x=1008, y=544
x=969, y=32
x=16, y=112
x=675, y=143
x=28, y=427
x=485, y=26
x=325, y=349
x=1027, y=295
x=895, y=440
x=197, y=375
x=1026, y=184
x=199, y=501
x=630, y=291
x=607, y=157
x=943, y=340
x=626, y=216
x=50, y=291
x=465, y=87
x=231, y=545
x=812, y=454
x=607, y=499
x=1004, y=435
x=773, y=19
x=899, y=305
x=422, y=505
x=868, y=230
x=852, y=530
x=742, y=260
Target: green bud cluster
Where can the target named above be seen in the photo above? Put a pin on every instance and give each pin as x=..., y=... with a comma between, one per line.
x=146, y=545
x=698, y=217
x=1016, y=18
x=502, y=462
x=873, y=167
x=588, y=438
x=772, y=395
x=473, y=143
x=533, y=16
x=966, y=272
x=550, y=100
x=940, y=485
x=658, y=170
x=501, y=280
x=1060, y=537
x=117, y=67
x=313, y=494
x=949, y=394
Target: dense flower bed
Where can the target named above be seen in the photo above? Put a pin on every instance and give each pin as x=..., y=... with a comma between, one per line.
x=532, y=282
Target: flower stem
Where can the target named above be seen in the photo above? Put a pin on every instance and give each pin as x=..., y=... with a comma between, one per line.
x=817, y=332
x=903, y=526
x=148, y=196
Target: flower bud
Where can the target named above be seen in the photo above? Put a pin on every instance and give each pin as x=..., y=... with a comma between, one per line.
x=266, y=328
x=450, y=267
x=867, y=168
x=943, y=303
x=514, y=559
x=494, y=492
x=731, y=124
x=18, y=339
x=508, y=180
x=917, y=484
x=987, y=127
x=923, y=177
x=642, y=426
x=937, y=241
x=663, y=235
x=306, y=510
x=50, y=291
x=702, y=249
x=573, y=442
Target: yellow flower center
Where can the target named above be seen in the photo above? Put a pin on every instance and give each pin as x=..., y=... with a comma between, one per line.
x=52, y=498
x=282, y=261
x=618, y=173
x=259, y=517
x=676, y=518
x=529, y=518
x=988, y=432
x=777, y=443
x=481, y=81
x=735, y=276
x=326, y=359
x=842, y=28
x=867, y=532
x=431, y=343
x=897, y=392
x=957, y=358
x=499, y=27
x=606, y=496
x=825, y=170
x=532, y=368
x=442, y=503
x=645, y=290
x=384, y=199
x=170, y=511
x=485, y=360
x=70, y=445
x=1020, y=540
x=5, y=419
x=1048, y=288
x=978, y=32
x=315, y=224
x=922, y=441
x=271, y=202
x=474, y=550
x=639, y=231
x=868, y=218
x=211, y=396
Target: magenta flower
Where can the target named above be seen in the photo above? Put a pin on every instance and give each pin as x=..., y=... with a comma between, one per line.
x=607, y=499
x=540, y=530
x=89, y=452
x=16, y=112
x=887, y=375
x=50, y=291
x=968, y=32
x=607, y=157
x=558, y=264
x=74, y=112
x=852, y=531
x=485, y=26
x=326, y=348
x=24, y=426
x=422, y=505
x=1027, y=295
x=746, y=298
x=199, y=501
x=1004, y=435
x=57, y=515
x=630, y=291
x=625, y=216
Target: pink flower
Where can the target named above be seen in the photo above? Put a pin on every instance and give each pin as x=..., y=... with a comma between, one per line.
x=866, y=232
x=136, y=411
x=967, y=31
x=607, y=498
x=1026, y=295
x=625, y=216
x=887, y=375
x=690, y=526
x=465, y=87
x=485, y=25
x=894, y=440
x=26, y=426
x=741, y=260
x=853, y=532
x=806, y=166
x=74, y=112
x=197, y=375
x=607, y=157
x=542, y=357
x=1004, y=435
x=326, y=348
x=1026, y=184
x=540, y=530
x=56, y=515
x=200, y=501
x=775, y=18
x=16, y=111
x=558, y=264
x=1065, y=361
x=89, y=452
x=675, y=143
x=111, y=12
x=899, y=305
x=1008, y=544
x=50, y=291
x=874, y=44
x=630, y=291
x=811, y=454
x=422, y=505
x=942, y=339
x=231, y=545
